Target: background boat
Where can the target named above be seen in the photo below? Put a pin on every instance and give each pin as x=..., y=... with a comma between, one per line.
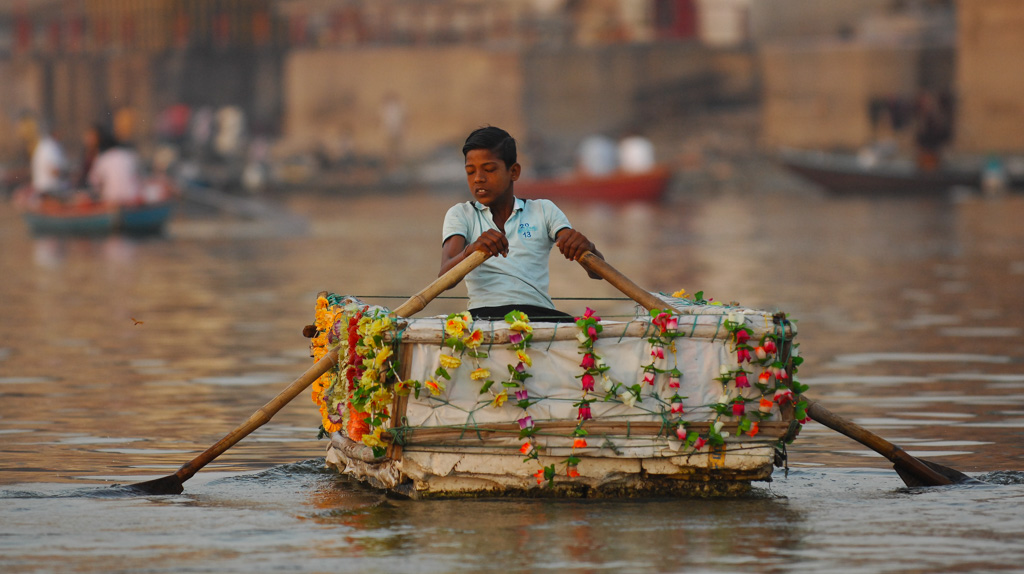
x=847, y=173
x=98, y=219
x=617, y=188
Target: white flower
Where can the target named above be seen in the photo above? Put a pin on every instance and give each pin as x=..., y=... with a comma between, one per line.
x=582, y=337
x=724, y=371
x=718, y=427
x=627, y=398
x=607, y=384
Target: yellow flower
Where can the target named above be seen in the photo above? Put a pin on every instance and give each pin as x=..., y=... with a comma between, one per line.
x=369, y=378
x=524, y=358
x=480, y=374
x=380, y=399
x=450, y=362
x=373, y=439
x=382, y=357
x=522, y=326
x=435, y=387
x=679, y=294
x=474, y=339
x=500, y=398
x=454, y=327
x=321, y=303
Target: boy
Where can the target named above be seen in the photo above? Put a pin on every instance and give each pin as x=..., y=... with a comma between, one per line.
x=497, y=223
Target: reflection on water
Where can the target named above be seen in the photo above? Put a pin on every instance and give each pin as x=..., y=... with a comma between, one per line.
x=120, y=359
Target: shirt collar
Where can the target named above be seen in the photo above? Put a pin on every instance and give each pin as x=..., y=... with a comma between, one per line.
x=517, y=205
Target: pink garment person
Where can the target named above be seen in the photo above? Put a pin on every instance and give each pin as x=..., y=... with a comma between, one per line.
x=116, y=175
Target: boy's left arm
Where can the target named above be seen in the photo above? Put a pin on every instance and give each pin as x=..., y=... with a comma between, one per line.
x=573, y=244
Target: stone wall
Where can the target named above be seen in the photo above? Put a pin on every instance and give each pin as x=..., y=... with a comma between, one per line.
x=990, y=86
x=817, y=95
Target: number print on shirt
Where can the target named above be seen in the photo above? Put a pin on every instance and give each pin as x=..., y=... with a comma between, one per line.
x=527, y=230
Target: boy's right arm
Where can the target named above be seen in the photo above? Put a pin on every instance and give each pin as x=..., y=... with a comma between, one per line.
x=454, y=249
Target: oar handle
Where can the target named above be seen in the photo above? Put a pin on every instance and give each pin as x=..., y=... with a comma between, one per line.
x=601, y=268
x=259, y=418
x=417, y=302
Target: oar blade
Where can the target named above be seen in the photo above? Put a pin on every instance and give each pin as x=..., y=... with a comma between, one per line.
x=943, y=475
x=170, y=484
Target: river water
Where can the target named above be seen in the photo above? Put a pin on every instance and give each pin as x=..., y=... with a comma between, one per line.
x=121, y=359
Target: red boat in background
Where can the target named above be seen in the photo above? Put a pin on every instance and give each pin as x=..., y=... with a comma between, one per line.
x=617, y=188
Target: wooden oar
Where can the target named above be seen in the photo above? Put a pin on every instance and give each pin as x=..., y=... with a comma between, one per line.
x=913, y=471
x=173, y=484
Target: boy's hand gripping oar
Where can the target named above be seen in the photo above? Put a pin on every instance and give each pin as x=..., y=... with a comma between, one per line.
x=913, y=471
x=173, y=484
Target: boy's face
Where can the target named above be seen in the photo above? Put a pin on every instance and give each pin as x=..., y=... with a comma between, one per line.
x=488, y=178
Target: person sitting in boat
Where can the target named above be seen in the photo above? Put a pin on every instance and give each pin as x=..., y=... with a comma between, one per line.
x=49, y=168
x=522, y=232
x=116, y=173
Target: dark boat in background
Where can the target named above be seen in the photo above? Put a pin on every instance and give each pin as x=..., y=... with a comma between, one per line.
x=617, y=188
x=847, y=173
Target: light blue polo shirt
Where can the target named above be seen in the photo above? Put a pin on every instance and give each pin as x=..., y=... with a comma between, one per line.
x=522, y=277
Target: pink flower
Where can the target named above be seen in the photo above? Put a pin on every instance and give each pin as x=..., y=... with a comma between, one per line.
x=584, y=413
x=769, y=346
x=649, y=377
x=657, y=352
x=592, y=331
x=741, y=380
x=742, y=354
x=677, y=408
x=526, y=422
x=699, y=443
x=783, y=396
x=588, y=382
x=738, y=409
x=588, y=361
x=672, y=324
x=673, y=382
x=521, y=367
x=781, y=374
x=522, y=395
x=515, y=338
x=742, y=336
x=680, y=433
x=590, y=313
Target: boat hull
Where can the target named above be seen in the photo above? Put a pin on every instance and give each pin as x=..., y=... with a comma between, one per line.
x=619, y=188
x=458, y=442
x=844, y=174
x=99, y=220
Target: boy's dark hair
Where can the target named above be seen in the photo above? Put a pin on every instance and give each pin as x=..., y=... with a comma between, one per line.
x=494, y=140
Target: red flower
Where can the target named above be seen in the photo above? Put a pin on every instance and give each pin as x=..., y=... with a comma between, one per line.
x=588, y=382
x=741, y=380
x=754, y=429
x=540, y=476
x=527, y=447
x=572, y=472
x=764, y=378
x=677, y=408
x=769, y=346
x=680, y=433
x=584, y=413
x=742, y=354
x=739, y=408
x=761, y=353
x=700, y=442
x=579, y=443
x=742, y=336
x=588, y=361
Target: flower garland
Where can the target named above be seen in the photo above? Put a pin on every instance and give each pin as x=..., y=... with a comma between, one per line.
x=357, y=394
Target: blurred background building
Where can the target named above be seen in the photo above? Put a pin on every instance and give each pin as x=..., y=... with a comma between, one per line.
x=411, y=77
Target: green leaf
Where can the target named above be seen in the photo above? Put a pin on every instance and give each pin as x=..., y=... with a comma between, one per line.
x=486, y=386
